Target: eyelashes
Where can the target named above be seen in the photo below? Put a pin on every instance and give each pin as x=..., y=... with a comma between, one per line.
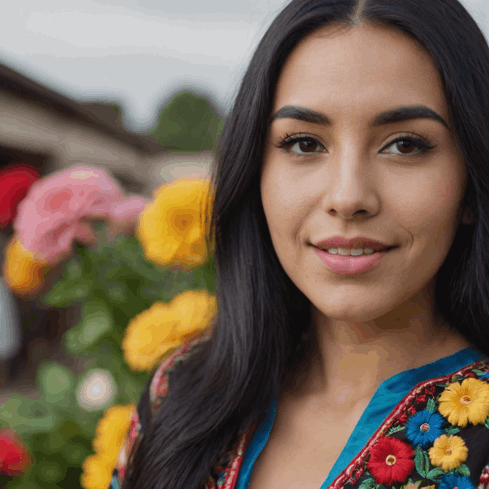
x=288, y=141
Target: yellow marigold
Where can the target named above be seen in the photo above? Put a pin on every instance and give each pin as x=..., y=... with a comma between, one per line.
x=109, y=436
x=172, y=229
x=163, y=327
x=97, y=472
x=466, y=402
x=23, y=273
x=448, y=452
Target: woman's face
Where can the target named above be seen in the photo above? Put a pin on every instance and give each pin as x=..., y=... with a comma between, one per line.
x=332, y=169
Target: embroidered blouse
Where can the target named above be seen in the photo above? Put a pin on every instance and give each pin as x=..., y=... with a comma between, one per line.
x=424, y=428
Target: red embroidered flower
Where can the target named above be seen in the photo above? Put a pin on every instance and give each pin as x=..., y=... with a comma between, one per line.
x=430, y=390
x=403, y=418
x=391, y=461
x=15, y=182
x=470, y=375
x=412, y=410
x=14, y=457
x=420, y=399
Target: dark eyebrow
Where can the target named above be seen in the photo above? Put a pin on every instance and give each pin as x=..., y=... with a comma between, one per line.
x=390, y=117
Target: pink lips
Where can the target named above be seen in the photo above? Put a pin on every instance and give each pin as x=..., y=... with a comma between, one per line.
x=350, y=264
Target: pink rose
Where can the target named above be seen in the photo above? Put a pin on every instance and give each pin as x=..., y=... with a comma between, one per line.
x=58, y=209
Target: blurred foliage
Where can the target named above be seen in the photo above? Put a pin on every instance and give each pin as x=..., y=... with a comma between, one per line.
x=188, y=123
x=112, y=282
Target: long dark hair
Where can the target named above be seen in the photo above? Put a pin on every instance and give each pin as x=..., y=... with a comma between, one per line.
x=262, y=317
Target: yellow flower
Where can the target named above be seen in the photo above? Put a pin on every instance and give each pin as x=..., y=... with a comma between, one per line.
x=163, y=327
x=448, y=452
x=23, y=273
x=97, y=472
x=466, y=402
x=109, y=436
x=172, y=229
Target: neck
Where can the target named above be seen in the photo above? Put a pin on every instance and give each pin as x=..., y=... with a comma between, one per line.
x=350, y=359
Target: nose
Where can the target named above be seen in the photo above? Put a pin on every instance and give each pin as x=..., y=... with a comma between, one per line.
x=350, y=190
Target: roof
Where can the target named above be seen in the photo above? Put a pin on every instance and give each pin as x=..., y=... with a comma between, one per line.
x=95, y=114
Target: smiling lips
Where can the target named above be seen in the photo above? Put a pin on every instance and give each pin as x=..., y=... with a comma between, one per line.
x=351, y=256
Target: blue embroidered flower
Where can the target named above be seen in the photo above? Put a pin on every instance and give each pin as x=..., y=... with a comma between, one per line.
x=455, y=481
x=424, y=428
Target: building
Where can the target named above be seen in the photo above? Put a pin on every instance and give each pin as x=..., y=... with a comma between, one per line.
x=51, y=131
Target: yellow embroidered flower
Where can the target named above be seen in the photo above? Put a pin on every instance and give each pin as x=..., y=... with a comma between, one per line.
x=23, y=273
x=448, y=452
x=466, y=402
x=109, y=436
x=172, y=229
x=163, y=327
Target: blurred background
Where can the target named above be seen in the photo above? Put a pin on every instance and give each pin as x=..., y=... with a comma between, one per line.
x=138, y=87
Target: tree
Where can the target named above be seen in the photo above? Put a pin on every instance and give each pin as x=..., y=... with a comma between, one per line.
x=188, y=123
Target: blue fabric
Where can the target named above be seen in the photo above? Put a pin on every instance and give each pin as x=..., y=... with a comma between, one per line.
x=389, y=394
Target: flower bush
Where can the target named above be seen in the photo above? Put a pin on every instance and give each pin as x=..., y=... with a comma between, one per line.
x=165, y=326
x=15, y=182
x=132, y=311
x=52, y=214
x=173, y=228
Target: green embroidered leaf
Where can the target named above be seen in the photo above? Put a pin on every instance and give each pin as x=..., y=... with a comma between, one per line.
x=395, y=430
x=463, y=470
x=477, y=371
x=435, y=474
x=441, y=385
x=452, y=430
x=486, y=424
x=368, y=483
x=431, y=406
x=422, y=462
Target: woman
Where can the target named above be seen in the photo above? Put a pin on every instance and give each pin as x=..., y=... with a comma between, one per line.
x=359, y=128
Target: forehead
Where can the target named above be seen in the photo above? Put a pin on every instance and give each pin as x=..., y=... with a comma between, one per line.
x=361, y=69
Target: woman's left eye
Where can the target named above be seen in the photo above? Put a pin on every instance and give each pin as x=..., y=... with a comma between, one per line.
x=408, y=143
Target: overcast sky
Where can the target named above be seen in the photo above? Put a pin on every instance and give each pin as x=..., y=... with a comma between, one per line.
x=138, y=52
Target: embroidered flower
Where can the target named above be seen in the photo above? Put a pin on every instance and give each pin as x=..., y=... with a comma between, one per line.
x=424, y=428
x=455, y=481
x=411, y=485
x=391, y=461
x=465, y=402
x=448, y=452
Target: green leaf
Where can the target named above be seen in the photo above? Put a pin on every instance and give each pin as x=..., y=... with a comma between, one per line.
x=96, y=323
x=463, y=470
x=477, y=371
x=452, y=430
x=368, y=483
x=25, y=415
x=66, y=292
x=434, y=474
x=54, y=381
x=396, y=429
x=421, y=461
x=431, y=406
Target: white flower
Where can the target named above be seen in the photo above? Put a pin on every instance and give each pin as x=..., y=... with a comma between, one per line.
x=96, y=390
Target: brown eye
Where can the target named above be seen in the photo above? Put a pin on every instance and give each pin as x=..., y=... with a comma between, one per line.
x=304, y=146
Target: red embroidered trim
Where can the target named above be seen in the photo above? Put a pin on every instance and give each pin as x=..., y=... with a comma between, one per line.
x=159, y=377
x=235, y=465
x=360, y=458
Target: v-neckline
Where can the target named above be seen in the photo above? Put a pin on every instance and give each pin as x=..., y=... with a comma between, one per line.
x=387, y=396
